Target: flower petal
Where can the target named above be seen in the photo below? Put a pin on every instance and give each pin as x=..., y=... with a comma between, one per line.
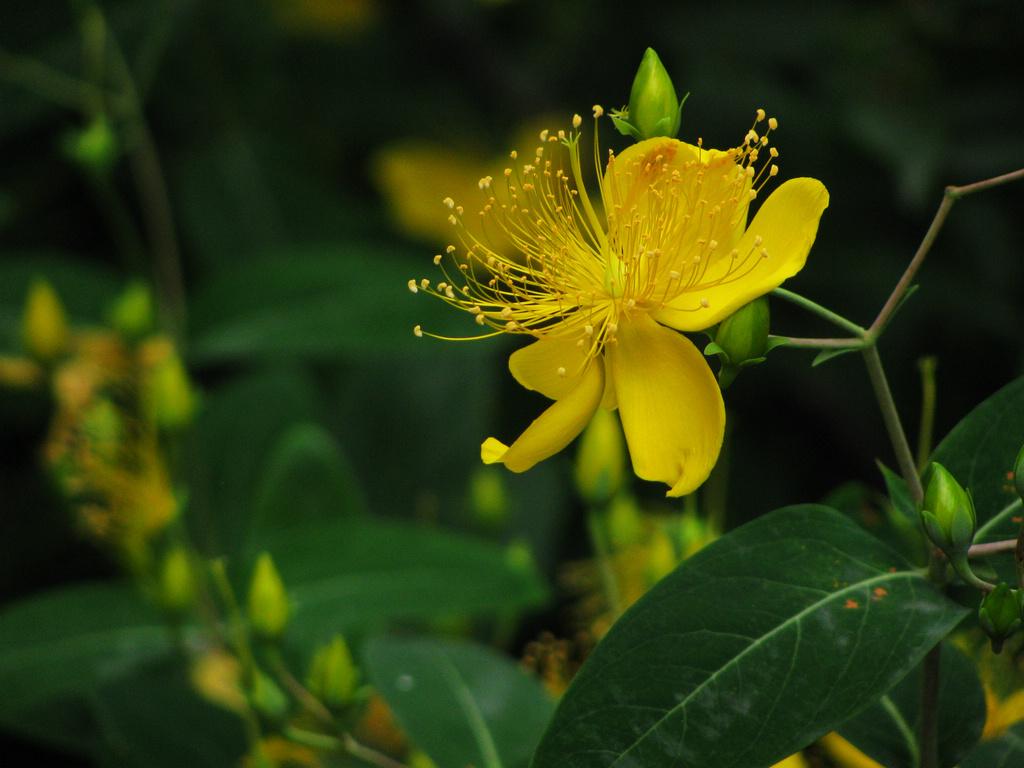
x=670, y=404
x=555, y=428
x=787, y=224
x=536, y=366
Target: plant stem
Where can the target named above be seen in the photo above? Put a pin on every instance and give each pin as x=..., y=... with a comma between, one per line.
x=795, y=341
x=924, y=440
x=596, y=526
x=893, y=426
x=820, y=311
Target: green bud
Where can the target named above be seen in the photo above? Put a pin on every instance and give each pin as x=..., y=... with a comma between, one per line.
x=94, y=147
x=268, y=699
x=653, y=108
x=947, y=513
x=177, y=582
x=333, y=678
x=1018, y=473
x=742, y=339
x=488, y=501
x=624, y=523
x=132, y=314
x=1000, y=615
x=166, y=389
x=601, y=459
x=44, y=324
x=268, y=601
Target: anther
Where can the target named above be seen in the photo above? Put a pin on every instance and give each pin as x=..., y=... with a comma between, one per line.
x=598, y=110
x=450, y=249
x=561, y=372
x=480, y=319
x=412, y=286
x=506, y=312
x=544, y=134
x=451, y=294
x=485, y=182
x=764, y=253
x=437, y=259
x=452, y=220
x=424, y=283
x=449, y=202
x=757, y=241
x=588, y=329
x=705, y=303
x=577, y=121
x=773, y=123
x=418, y=332
x=760, y=115
x=774, y=171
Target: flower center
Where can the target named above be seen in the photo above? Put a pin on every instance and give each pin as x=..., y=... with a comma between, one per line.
x=673, y=214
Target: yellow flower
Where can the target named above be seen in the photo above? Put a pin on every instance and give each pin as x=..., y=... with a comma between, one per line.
x=604, y=296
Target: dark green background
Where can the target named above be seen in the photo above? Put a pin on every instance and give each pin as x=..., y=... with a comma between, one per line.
x=266, y=135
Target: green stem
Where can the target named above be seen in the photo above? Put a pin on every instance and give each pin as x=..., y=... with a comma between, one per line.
x=820, y=311
x=795, y=341
x=893, y=426
x=924, y=441
x=368, y=755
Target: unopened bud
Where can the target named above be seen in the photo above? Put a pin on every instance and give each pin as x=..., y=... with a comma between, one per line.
x=653, y=108
x=947, y=512
x=624, y=523
x=167, y=391
x=269, y=609
x=268, y=699
x=177, y=582
x=333, y=677
x=488, y=501
x=132, y=313
x=95, y=147
x=742, y=339
x=1000, y=615
x=601, y=459
x=44, y=325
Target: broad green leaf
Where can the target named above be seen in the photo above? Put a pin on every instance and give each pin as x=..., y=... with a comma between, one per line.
x=64, y=643
x=461, y=703
x=827, y=354
x=1007, y=751
x=242, y=423
x=355, y=573
x=751, y=649
x=159, y=721
x=980, y=451
x=887, y=730
x=306, y=479
x=320, y=304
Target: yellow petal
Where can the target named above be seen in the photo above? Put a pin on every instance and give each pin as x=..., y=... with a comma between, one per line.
x=555, y=428
x=549, y=366
x=669, y=402
x=787, y=223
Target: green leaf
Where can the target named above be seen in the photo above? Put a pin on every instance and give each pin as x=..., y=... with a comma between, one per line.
x=320, y=304
x=751, y=649
x=887, y=730
x=352, y=573
x=980, y=452
x=159, y=721
x=827, y=354
x=461, y=703
x=899, y=495
x=66, y=642
x=306, y=479
x=1007, y=751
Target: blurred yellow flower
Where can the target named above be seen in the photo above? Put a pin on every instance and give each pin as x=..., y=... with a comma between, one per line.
x=604, y=296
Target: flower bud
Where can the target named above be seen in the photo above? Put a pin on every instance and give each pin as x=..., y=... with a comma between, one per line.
x=1000, y=615
x=333, y=677
x=166, y=390
x=742, y=339
x=1018, y=473
x=95, y=147
x=44, y=326
x=268, y=699
x=947, y=512
x=488, y=501
x=177, y=583
x=132, y=314
x=269, y=609
x=624, y=522
x=653, y=108
x=601, y=459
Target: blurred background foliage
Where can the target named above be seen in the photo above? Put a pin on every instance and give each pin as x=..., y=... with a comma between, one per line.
x=275, y=168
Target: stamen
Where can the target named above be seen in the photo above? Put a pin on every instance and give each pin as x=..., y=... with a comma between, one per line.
x=412, y=286
x=418, y=332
